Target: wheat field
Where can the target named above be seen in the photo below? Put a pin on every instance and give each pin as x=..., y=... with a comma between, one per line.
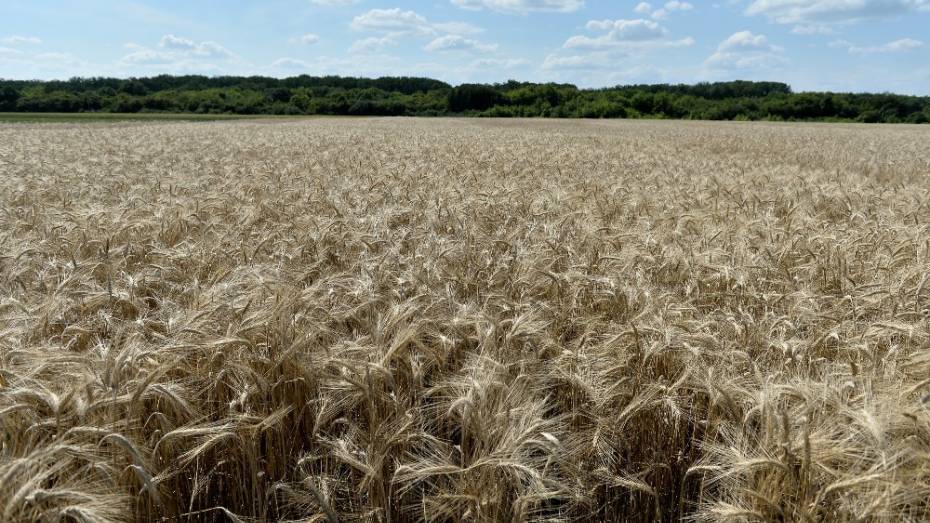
x=464, y=320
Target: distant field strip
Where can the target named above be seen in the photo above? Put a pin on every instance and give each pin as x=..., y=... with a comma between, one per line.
x=398, y=320
x=117, y=117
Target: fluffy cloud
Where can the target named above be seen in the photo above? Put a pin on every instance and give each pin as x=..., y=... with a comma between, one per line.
x=598, y=60
x=628, y=34
x=170, y=41
x=148, y=57
x=645, y=9
x=459, y=43
x=212, y=50
x=290, y=63
x=745, y=50
x=521, y=6
x=904, y=44
x=620, y=40
x=371, y=44
x=898, y=46
x=16, y=40
x=392, y=21
x=744, y=41
x=605, y=68
x=180, y=53
x=348, y=65
x=396, y=23
x=832, y=11
x=671, y=7
x=399, y=22
x=675, y=5
x=305, y=39
x=812, y=29
x=499, y=63
x=456, y=28
x=181, y=45
x=621, y=30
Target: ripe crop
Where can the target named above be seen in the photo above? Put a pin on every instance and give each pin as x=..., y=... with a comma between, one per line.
x=464, y=320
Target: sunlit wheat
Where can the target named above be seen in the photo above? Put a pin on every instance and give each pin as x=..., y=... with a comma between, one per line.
x=464, y=320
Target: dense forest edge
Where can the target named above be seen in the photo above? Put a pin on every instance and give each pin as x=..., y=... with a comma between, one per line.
x=407, y=96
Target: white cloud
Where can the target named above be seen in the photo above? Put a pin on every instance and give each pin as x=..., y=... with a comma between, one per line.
x=812, y=29
x=741, y=61
x=643, y=8
x=745, y=41
x=355, y=65
x=620, y=40
x=183, y=45
x=170, y=41
x=457, y=28
x=601, y=69
x=371, y=44
x=397, y=21
x=305, y=39
x=290, y=63
x=671, y=7
x=178, y=52
x=394, y=24
x=904, y=44
x=392, y=21
x=521, y=6
x=675, y=5
x=499, y=63
x=148, y=57
x=16, y=40
x=599, y=60
x=620, y=30
x=660, y=14
x=745, y=50
x=832, y=11
x=629, y=34
x=459, y=43
x=898, y=46
x=213, y=50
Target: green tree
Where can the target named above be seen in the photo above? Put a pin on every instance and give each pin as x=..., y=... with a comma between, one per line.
x=8, y=98
x=473, y=97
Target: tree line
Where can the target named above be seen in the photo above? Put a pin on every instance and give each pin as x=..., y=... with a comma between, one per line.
x=408, y=96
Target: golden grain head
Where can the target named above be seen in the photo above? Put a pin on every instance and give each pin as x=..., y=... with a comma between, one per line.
x=442, y=320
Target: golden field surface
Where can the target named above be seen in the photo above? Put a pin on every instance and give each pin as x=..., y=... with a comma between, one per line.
x=464, y=320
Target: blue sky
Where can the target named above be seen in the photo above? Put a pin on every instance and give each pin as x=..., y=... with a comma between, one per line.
x=841, y=45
